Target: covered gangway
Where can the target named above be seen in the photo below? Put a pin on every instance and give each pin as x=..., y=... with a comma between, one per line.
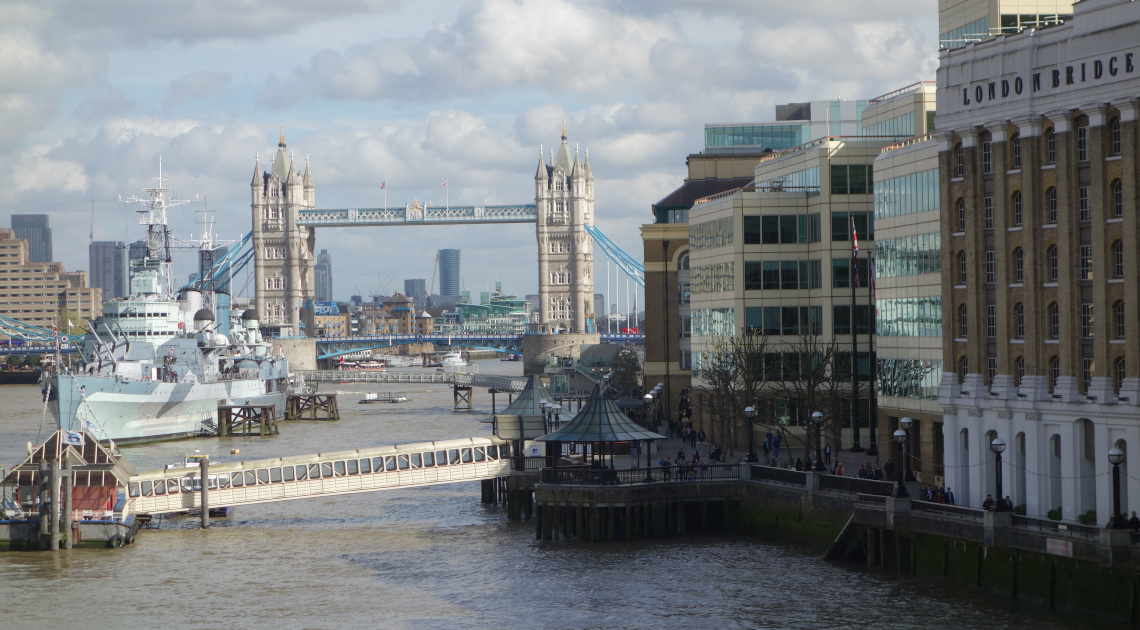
x=601, y=424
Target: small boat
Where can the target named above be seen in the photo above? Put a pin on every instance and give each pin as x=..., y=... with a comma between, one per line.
x=383, y=397
x=510, y=357
x=192, y=460
x=453, y=359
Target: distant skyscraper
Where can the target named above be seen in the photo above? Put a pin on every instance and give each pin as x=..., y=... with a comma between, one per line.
x=107, y=261
x=137, y=250
x=449, y=272
x=34, y=229
x=599, y=304
x=323, y=277
x=416, y=289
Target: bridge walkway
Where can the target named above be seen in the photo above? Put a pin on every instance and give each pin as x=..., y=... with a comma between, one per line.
x=178, y=489
x=492, y=381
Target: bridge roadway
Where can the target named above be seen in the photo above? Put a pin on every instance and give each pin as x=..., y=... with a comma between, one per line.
x=178, y=489
x=490, y=381
x=330, y=347
x=414, y=214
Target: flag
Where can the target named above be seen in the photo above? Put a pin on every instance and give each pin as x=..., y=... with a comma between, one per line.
x=445, y=183
x=74, y=438
x=383, y=185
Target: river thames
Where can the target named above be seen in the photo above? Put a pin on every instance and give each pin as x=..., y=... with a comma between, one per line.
x=436, y=557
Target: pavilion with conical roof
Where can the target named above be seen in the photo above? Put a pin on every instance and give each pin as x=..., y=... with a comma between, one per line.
x=601, y=423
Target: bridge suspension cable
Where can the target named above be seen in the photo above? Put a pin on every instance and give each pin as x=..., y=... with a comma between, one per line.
x=628, y=264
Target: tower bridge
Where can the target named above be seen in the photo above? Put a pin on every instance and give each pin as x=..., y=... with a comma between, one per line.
x=285, y=219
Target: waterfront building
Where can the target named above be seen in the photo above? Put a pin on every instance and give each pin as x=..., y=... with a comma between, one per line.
x=37, y=293
x=1038, y=145
x=961, y=22
x=323, y=277
x=330, y=321
x=449, y=285
x=907, y=279
x=283, y=250
x=107, y=263
x=795, y=124
x=564, y=201
x=34, y=229
x=497, y=314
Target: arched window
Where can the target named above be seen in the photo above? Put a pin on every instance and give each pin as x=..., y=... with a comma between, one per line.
x=1015, y=208
x=1019, y=370
x=1015, y=151
x=1116, y=190
x=683, y=262
x=1051, y=257
x=961, y=214
x=1118, y=259
x=1018, y=265
x=1081, y=123
x=1114, y=137
x=1118, y=318
x=1050, y=146
x=963, y=324
x=959, y=161
x=1120, y=371
x=1051, y=206
x=1054, y=371
x=962, y=268
x=1019, y=320
x=1054, y=321
x=963, y=367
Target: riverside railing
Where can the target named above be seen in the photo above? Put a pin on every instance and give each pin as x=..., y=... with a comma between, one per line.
x=781, y=475
x=856, y=485
x=587, y=476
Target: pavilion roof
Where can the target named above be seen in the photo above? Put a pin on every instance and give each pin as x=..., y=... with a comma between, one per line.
x=601, y=420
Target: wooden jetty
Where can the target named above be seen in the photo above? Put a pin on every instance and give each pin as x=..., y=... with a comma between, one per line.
x=312, y=407
x=247, y=420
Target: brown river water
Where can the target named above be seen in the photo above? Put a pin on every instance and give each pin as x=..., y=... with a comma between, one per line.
x=435, y=557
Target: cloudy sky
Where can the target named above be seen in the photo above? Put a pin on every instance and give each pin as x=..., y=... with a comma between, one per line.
x=412, y=93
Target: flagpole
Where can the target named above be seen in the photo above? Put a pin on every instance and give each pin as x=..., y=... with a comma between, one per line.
x=872, y=386
x=855, y=446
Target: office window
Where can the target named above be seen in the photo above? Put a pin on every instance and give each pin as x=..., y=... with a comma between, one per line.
x=771, y=274
x=1117, y=193
x=961, y=215
x=1084, y=203
x=962, y=268
x=991, y=267
x=1018, y=265
x=1086, y=320
x=1052, y=258
x=770, y=230
x=1019, y=320
x=1054, y=321
x=841, y=319
x=1118, y=317
x=1050, y=146
x=1083, y=143
x=841, y=223
x=1114, y=137
x=988, y=213
x=1051, y=206
x=963, y=324
x=1086, y=262
x=851, y=179
x=987, y=157
x=789, y=274
x=1118, y=259
x=959, y=161
x=752, y=230
x=991, y=320
x=1015, y=208
x=752, y=276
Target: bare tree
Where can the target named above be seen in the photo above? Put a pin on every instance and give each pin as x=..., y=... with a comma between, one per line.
x=814, y=377
x=736, y=375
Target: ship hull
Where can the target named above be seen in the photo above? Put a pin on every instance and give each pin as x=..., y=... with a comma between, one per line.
x=144, y=411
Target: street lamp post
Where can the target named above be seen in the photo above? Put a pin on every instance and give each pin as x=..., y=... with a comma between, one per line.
x=557, y=409
x=648, y=398
x=900, y=439
x=817, y=420
x=750, y=413
x=906, y=423
x=998, y=447
x=1116, y=457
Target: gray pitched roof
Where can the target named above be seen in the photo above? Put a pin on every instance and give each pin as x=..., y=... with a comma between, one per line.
x=601, y=420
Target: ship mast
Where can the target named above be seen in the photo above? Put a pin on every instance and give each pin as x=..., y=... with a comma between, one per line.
x=153, y=215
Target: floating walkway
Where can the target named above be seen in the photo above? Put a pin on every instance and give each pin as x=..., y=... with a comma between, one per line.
x=179, y=489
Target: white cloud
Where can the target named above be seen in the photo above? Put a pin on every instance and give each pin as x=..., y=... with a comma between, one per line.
x=37, y=171
x=197, y=86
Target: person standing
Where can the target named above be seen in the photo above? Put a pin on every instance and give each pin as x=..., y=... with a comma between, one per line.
x=827, y=454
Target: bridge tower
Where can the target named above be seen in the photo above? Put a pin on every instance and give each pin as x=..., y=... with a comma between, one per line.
x=564, y=202
x=283, y=250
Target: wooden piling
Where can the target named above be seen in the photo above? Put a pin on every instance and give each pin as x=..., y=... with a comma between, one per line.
x=54, y=505
x=204, y=466
x=68, y=526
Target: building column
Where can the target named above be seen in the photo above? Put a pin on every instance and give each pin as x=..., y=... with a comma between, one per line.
x=1035, y=384
x=999, y=150
x=1068, y=247
x=1034, y=467
x=1101, y=386
x=1130, y=175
